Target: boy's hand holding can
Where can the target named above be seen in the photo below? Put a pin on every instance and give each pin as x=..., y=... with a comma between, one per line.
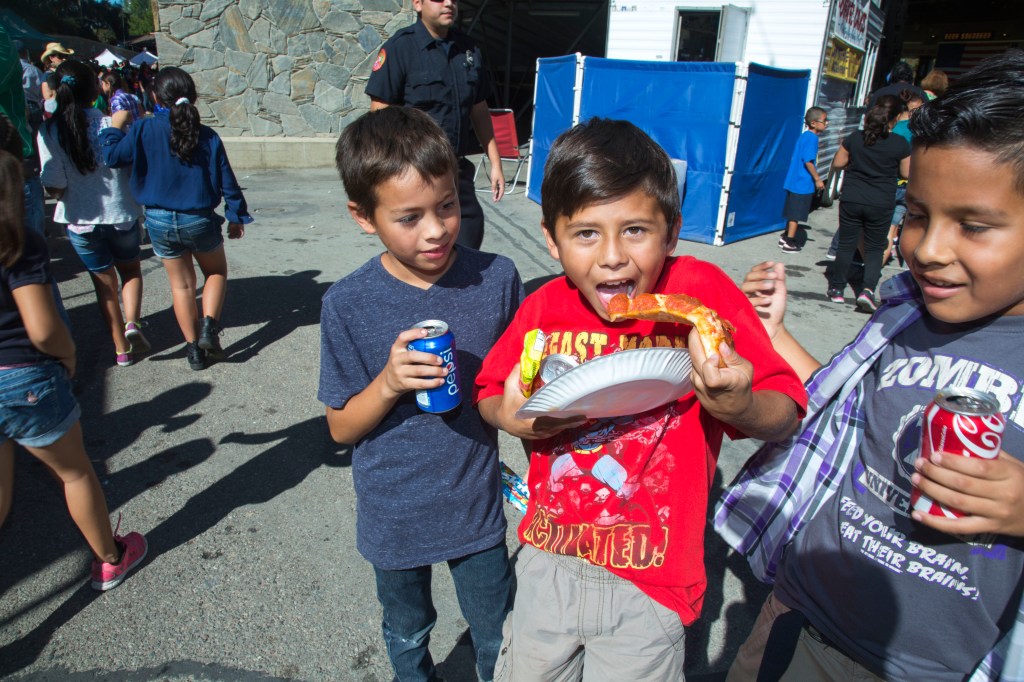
x=411, y=370
x=439, y=341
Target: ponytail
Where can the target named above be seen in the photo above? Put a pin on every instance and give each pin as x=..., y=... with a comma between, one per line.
x=76, y=91
x=184, y=129
x=174, y=89
x=879, y=119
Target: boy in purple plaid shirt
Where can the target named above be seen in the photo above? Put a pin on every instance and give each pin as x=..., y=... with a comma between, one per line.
x=865, y=587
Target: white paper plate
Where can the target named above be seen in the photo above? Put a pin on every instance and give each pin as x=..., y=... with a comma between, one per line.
x=615, y=385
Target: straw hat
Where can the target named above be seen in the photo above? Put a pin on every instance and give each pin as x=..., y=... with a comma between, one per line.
x=55, y=48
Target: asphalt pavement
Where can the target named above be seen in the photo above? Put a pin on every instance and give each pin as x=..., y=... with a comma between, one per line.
x=247, y=504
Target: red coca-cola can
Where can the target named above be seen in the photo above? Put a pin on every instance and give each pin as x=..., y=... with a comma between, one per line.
x=963, y=422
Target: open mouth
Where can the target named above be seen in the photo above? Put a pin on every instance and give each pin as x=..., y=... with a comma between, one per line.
x=606, y=290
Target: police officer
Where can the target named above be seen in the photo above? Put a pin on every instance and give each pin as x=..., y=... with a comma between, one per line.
x=434, y=67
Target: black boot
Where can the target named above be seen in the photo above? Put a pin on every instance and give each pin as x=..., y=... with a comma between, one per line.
x=195, y=355
x=209, y=331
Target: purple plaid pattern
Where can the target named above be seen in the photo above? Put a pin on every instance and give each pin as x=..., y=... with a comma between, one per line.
x=784, y=485
x=122, y=101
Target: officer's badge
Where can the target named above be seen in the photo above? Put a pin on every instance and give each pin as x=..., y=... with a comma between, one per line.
x=381, y=58
x=469, y=58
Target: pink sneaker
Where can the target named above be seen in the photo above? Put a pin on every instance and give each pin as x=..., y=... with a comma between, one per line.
x=133, y=334
x=108, y=576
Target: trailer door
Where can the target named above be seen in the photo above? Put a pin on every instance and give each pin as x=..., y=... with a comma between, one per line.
x=732, y=34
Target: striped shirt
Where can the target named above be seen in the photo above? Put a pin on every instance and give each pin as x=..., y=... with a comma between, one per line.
x=785, y=484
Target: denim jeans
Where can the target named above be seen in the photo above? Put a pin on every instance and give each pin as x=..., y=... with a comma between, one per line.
x=100, y=249
x=34, y=205
x=37, y=406
x=901, y=205
x=174, y=233
x=485, y=589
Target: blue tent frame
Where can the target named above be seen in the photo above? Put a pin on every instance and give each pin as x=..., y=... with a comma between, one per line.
x=733, y=189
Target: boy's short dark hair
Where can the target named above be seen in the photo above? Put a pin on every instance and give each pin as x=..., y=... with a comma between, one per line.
x=981, y=109
x=814, y=114
x=383, y=144
x=604, y=160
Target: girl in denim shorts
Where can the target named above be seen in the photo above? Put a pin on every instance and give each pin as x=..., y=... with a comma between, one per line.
x=37, y=408
x=97, y=206
x=180, y=172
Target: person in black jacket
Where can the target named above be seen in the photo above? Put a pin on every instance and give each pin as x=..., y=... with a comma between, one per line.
x=434, y=67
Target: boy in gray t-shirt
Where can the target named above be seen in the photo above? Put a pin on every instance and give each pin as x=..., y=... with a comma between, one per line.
x=867, y=586
x=427, y=485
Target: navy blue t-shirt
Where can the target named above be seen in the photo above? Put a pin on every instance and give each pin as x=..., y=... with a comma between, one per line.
x=427, y=486
x=32, y=268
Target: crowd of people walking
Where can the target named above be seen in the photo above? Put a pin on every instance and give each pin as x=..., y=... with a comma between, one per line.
x=101, y=143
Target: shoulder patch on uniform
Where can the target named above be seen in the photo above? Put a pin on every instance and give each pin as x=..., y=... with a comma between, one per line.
x=382, y=57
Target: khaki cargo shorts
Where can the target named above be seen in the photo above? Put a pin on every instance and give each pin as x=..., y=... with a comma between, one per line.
x=576, y=621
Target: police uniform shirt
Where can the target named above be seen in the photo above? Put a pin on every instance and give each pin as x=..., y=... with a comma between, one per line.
x=444, y=78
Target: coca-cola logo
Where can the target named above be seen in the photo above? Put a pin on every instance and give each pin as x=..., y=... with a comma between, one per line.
x=980, y=436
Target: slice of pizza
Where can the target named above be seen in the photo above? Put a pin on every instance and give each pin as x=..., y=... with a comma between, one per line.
x=677, y=308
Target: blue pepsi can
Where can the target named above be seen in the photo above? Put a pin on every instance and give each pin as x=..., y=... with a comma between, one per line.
x=439, y=341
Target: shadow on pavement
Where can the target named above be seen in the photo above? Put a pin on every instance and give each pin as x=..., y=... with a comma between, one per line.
x=736, y=620
x=280, y=303
x=24, y=651
x=298, y=450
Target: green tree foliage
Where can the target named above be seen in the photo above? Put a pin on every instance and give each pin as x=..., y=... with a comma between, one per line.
x=140, y=16
x=94, y=19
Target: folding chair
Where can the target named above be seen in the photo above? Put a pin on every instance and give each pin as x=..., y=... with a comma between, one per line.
x=504, y=123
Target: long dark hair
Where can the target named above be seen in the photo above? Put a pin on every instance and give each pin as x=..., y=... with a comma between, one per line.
x=114, y=80
x=879, y=119
x=171, y=85
x=76, y=91
x=12, y=194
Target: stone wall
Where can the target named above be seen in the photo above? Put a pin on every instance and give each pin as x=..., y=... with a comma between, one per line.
x=270, y=68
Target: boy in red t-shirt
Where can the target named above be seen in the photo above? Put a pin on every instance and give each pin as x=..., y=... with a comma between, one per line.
x=612, y=565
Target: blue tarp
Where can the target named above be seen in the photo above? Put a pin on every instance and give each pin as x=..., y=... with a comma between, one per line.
x=773, y=113
x=684, y=106
x=552, y=113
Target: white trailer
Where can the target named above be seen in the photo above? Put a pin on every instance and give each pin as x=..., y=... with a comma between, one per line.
x=837, y=40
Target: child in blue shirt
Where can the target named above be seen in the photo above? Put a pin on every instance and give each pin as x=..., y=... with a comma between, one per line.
x=802, y=178
x=180, y=171
x=427, y=485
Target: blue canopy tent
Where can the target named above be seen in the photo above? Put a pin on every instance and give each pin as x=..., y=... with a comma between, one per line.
x=694, y=111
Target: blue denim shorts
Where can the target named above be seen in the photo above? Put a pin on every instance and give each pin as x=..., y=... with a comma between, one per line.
x=37, y=406
x=174, y=233
x=104, y=246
